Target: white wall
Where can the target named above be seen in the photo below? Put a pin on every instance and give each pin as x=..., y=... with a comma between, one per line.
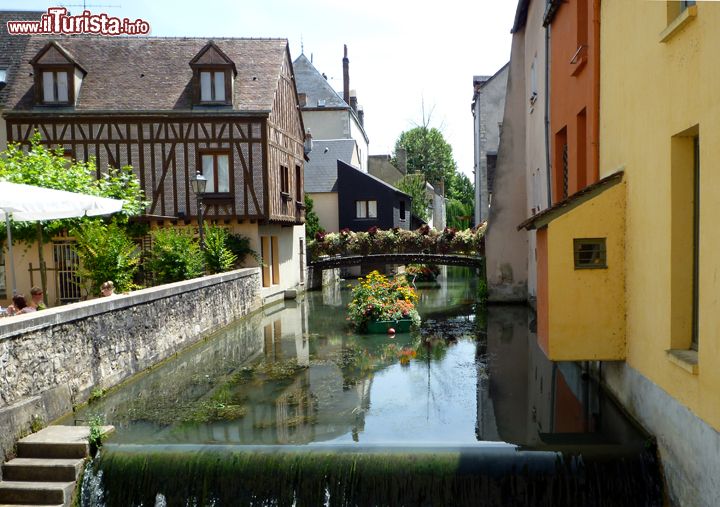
x=289, y=262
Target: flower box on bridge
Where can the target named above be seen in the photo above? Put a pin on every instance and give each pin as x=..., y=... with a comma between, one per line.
x=382, y=326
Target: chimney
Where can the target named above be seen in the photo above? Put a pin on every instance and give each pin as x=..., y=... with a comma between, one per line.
x=401, y=155
x=346, y=77
x=361, y=116
x=307, y=148
x=302, y=99
x=353, y=100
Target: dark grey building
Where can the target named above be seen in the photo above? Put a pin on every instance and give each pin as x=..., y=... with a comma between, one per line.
x=366, y=201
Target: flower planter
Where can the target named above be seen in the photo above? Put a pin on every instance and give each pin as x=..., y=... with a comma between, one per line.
x=382, y=326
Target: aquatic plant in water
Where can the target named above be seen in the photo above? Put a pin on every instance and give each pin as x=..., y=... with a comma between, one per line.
x=378, y=298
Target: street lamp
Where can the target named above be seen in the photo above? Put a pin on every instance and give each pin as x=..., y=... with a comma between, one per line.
x=198, y=184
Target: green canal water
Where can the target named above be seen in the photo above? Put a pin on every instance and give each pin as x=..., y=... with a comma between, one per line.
x=290, y=407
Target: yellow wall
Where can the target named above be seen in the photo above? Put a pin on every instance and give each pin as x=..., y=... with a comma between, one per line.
x=653, y=95
x=587, y=306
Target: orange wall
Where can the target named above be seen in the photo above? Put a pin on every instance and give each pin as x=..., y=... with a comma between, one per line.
x=574, y=88
x=543, y=317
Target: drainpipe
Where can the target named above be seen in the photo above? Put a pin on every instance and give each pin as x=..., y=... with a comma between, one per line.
x=547, y=115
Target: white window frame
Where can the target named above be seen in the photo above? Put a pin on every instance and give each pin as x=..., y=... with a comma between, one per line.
x=212, y=86
x=366, y=209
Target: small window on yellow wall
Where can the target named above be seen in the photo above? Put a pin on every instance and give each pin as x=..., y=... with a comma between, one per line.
x=589, y=253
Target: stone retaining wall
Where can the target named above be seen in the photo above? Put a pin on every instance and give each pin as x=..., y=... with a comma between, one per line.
x=55, y=358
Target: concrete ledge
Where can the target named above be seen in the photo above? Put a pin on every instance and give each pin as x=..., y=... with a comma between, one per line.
x=36, y=321
x=685, y=359
x=677, y=24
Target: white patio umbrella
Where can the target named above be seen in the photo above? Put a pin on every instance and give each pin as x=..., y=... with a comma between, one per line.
x=28, y=203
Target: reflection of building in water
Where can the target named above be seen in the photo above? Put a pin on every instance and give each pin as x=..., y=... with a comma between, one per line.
x=332, y=295
x=537, y=402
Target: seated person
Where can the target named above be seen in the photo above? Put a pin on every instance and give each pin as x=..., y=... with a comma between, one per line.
x=107, y=289
x=36, y=299
x=19, y=306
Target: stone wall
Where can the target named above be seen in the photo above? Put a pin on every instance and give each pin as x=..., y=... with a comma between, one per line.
x=55, y=358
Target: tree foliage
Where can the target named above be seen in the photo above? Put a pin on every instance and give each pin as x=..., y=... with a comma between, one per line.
x=45, y=167
x=414, y=186
x=312, y=221
x=428, y=153
x=461, y=201
x=106, y=253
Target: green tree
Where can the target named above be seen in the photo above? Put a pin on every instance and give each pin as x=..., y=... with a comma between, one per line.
x=106, y=253
x=414, y=186
x=461, y=201
x=45, y=167
x=312, y=221
x=428, y=153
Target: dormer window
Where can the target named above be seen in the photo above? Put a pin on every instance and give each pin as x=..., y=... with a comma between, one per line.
x=213, y=76
x=55, y=86
x=212, y=86
x=58, y=77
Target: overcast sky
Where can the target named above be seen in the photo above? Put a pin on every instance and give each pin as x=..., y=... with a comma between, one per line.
x=401, y=52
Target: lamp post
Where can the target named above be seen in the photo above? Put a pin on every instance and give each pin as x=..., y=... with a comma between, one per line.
x=198, y=184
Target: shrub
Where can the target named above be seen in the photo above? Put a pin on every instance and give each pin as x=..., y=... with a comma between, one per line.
x=175, y=255
x=106, y=253
x=239, y=245
x=218, y=256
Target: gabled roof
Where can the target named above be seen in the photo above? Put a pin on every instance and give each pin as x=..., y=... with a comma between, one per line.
x=560, y=208
x=375, y=178
x=321, y=169
x=521, y=13
x=13, y=46
x=139, y=74
x=54, y=53
x=213, y=55
x=315, y=87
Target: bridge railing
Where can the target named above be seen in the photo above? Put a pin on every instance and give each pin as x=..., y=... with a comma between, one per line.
x=378, y=241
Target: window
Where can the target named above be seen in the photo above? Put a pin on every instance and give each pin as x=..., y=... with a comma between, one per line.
x=212, y=86
x=298, y=184
x=533, y=82
x=3, y=77
x=365, y=209
x=284, y=180
x=684, y=4
x=215, y=167
x=696, y=243
x=589, y=253
x=55, y=86
x=402, y=210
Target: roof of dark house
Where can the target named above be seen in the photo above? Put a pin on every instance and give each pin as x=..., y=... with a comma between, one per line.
x=316, y=88
x=321, y=169
x=153, y=73
x=12, y=47
x=375, y=178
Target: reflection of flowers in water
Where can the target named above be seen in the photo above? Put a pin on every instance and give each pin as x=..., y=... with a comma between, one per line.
x=406, y=353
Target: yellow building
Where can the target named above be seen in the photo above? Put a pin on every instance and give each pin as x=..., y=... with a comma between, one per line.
x=652, y=309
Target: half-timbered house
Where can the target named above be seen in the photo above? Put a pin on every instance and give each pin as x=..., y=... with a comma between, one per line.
x=169, y=107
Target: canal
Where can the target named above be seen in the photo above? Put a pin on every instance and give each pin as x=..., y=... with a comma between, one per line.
x=290, y=407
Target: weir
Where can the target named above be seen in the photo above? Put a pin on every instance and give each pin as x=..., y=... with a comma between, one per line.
x=290, y=407
x=371, y=476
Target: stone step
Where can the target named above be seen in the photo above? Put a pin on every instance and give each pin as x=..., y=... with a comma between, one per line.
x=40, y=469
x=57, y=442
x=38, y=493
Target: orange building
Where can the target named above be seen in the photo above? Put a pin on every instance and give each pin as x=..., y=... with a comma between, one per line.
x=574, y=28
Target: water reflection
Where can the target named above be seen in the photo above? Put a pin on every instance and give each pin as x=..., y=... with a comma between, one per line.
x=297, y=374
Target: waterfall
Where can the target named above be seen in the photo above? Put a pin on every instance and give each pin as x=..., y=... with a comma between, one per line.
x=496, y=475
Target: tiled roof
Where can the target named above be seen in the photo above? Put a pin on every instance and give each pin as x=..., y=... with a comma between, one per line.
x=315, y=87
x=321, y=169
x=12, y=46
x=153, y=73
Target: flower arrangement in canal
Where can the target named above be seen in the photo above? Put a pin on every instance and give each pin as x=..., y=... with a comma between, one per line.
x=376, y=241
x=379, y=298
